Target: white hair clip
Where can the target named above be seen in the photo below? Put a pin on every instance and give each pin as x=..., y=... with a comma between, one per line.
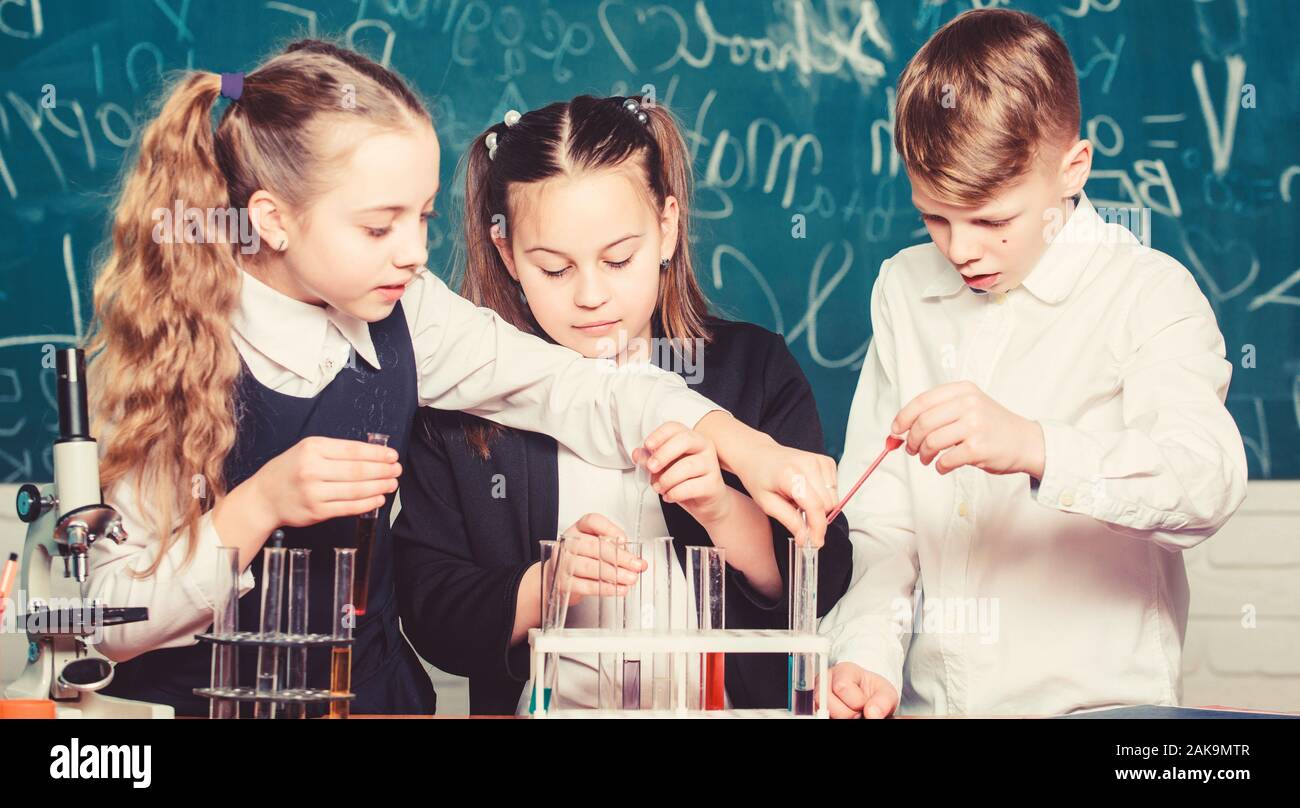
x=634, y=108
x=512, y=118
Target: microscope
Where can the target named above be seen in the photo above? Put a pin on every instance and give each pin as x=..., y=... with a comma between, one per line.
x=53, y=647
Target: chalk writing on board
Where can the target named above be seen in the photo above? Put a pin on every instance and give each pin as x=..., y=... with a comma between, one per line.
x=788, y=107
x=808, y=43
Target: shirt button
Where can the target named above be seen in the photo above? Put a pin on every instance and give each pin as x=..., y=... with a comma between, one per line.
x=1067, y=499
x=329, y=364
x=963, y=509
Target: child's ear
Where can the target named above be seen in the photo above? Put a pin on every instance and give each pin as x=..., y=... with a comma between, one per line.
x=271, y=220
x=503, y=249
x=668, y=225
x=1076, y=164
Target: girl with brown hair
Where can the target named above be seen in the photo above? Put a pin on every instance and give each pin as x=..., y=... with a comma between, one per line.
x=576, y=229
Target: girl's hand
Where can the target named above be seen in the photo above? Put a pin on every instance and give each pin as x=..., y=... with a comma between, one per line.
x=684, y=469
x=782, y=481
x=323, y=478
x=974, y=430
x=593, y=561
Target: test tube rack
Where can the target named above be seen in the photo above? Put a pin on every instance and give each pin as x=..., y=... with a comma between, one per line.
x=280, y=688
x=281, y=696
x=730, y=641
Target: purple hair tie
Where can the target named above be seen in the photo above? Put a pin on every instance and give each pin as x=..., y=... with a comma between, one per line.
x=232, y=85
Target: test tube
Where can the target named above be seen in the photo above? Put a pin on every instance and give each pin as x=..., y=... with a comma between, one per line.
x=225, y=621
x=344, y=618
x=706, y=582
x=560, y=587
x=609, y=611
x=803, y=610
x=657, y=614
x=631, y=626
x=299, y=583
x=268, y=657
x=789, y=619
x=550, y=552
x=367, y=527
x=634, y=617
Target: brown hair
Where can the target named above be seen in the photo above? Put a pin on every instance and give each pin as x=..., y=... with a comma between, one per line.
x=565, y=139
x=163, y=361
x=988, y=94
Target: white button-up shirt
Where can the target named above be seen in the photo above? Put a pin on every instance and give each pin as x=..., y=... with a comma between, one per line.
x=982, y=594
x=467, y=358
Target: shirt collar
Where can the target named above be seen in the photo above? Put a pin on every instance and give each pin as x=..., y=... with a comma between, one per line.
x=292, y=333
x=1058, y=269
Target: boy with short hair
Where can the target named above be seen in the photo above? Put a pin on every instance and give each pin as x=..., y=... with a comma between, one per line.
x=1068, y=385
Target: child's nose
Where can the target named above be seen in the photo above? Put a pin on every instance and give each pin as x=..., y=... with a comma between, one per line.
x=963, y=246
x=414, y=250
x=591, y=291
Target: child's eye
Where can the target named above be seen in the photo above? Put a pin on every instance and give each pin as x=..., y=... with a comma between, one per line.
x=558, y=273
x=378, y=232
x=620, y=264
x=428, y=214
x=930, y=217
x=995, y=222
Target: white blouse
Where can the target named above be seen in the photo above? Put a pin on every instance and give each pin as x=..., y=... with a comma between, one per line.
x=467, y=358
x=1069, y=594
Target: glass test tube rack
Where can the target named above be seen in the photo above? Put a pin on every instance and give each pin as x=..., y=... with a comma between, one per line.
x=546, y=644
x=280, y=697
x=281, y=668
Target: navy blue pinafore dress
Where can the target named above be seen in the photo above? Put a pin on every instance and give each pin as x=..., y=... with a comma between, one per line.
x=386, y=674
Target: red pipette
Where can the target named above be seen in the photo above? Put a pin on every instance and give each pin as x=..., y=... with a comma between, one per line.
x=891, y=443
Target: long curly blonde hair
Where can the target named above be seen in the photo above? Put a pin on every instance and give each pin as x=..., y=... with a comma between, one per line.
x=163, y=365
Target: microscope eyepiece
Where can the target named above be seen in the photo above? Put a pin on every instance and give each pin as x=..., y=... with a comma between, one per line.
x=74, y=413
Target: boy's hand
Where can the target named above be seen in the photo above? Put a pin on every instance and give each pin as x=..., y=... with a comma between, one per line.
x=970, y=429
x=856, y=692
x=685, y=470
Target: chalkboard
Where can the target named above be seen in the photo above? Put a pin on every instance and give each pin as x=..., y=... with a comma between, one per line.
x=1192, y=107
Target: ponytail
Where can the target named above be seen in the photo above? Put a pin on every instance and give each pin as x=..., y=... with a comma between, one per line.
x=682, y=306
x=163, y=363
x=489, y=284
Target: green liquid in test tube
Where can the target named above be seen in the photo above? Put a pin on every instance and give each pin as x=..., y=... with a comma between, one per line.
x=550, y=558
